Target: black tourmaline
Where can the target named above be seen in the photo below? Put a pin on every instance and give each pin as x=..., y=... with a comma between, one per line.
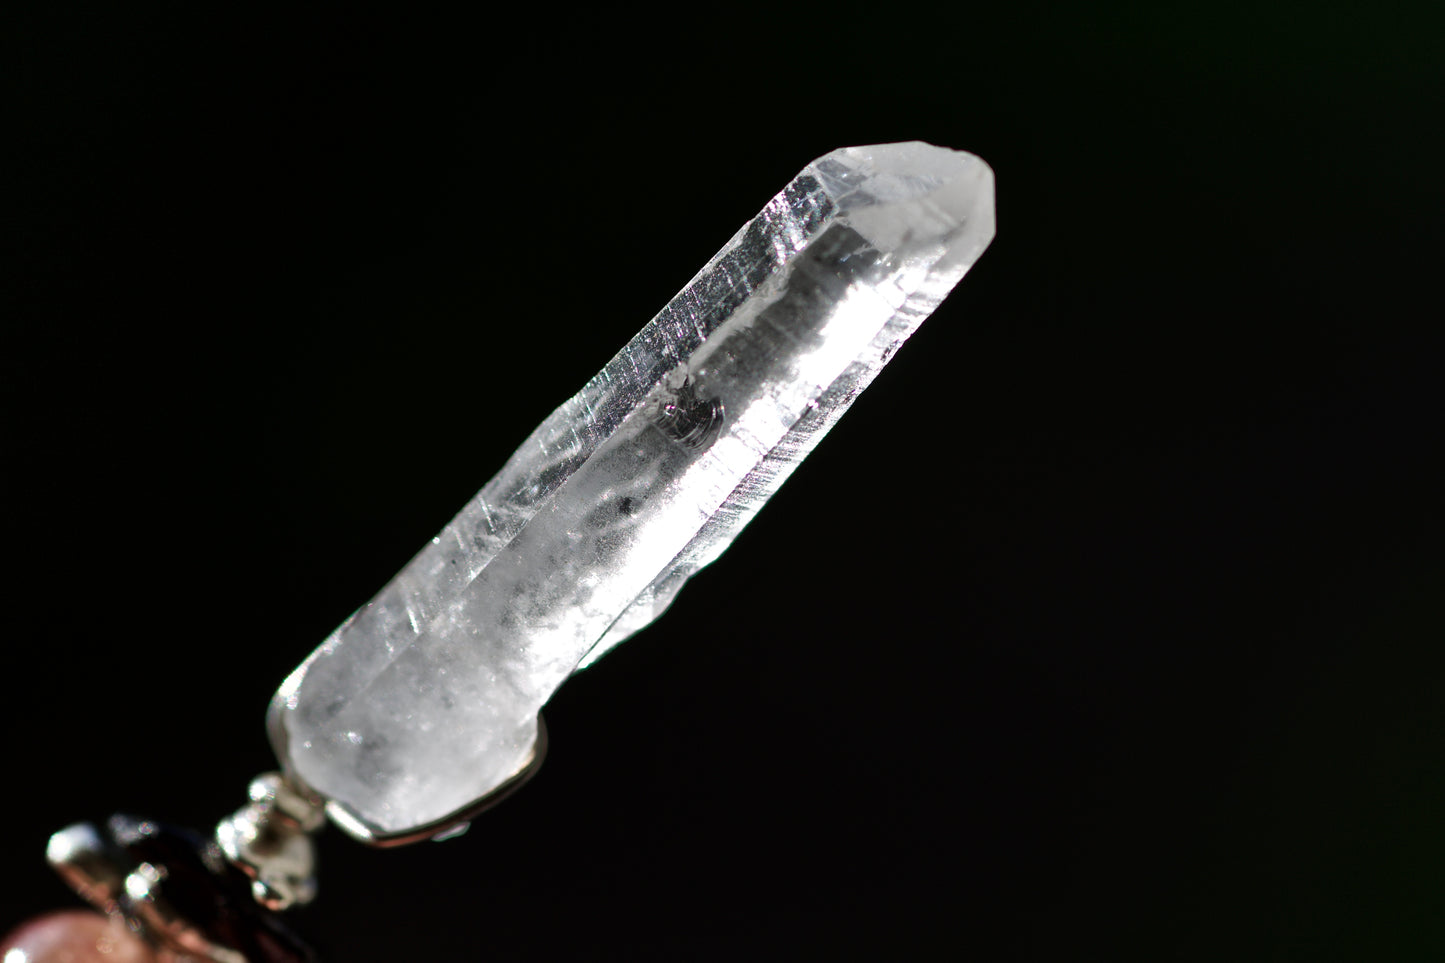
x=207, y=891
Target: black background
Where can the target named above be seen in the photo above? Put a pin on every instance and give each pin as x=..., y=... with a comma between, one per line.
x=1107, y=626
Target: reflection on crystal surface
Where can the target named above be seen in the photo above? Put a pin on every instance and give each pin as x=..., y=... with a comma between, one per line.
x=427, y=697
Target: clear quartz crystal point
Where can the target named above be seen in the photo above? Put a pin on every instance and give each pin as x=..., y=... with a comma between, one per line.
x=426, y=700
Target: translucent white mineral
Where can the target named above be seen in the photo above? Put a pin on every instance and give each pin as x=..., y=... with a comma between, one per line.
x=427, y=698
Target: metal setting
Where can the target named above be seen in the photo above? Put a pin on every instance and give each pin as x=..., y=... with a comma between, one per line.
x=348, y=821
x=269, y=840
x=449, y=826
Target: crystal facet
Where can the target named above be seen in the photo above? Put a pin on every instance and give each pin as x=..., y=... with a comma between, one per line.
x=427, y=698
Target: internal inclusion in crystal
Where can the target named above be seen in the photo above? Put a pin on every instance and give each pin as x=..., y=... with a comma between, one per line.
x=427, y=698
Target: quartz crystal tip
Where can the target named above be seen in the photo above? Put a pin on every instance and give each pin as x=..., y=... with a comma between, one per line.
x=426, y=700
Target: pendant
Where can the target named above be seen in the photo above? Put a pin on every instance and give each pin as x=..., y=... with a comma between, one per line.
x=423, y=708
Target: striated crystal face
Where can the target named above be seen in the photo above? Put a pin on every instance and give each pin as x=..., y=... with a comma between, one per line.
x=427, y=698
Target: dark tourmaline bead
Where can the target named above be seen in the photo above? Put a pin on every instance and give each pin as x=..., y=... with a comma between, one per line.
x=208, y=892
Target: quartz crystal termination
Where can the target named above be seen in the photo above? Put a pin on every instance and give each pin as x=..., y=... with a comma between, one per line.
x=427, y=699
